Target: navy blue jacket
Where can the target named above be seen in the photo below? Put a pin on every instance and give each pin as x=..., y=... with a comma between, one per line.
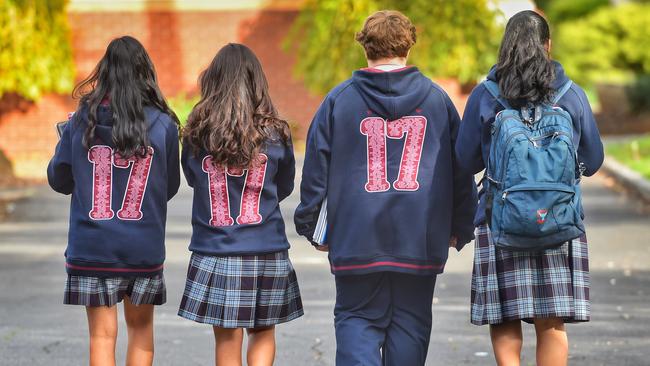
x=382, y=217
x=238, y=212
x=118, y=208
x=473, y=147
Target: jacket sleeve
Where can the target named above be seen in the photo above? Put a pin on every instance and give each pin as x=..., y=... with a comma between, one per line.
x=468, y=147
x=187, y=170
x=465, y=193
x=286, y=172
x=313, y=188
x=590, y=149
x=59, y=170
x=173, y=165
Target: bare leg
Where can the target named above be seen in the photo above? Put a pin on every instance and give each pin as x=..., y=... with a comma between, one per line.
x=261, y=346
x=139, y=322
x=506, y=342
x=552, y=342
x=228, y=344
x=102, y=329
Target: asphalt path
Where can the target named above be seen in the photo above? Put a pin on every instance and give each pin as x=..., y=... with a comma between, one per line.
x=37, y=329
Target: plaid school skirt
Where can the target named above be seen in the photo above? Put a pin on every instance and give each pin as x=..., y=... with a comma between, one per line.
x=97, y=291
x=508, y=285
x=249, y=291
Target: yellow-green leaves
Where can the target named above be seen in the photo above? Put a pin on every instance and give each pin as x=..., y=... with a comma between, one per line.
x=35, y=51
x=457, y=39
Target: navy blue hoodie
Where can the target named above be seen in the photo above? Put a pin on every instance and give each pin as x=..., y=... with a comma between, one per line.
x=381, y=149
x=473, y=147
x=237, y=211
x=119, y=207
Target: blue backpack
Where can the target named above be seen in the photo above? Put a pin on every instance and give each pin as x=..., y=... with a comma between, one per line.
x=532, y=176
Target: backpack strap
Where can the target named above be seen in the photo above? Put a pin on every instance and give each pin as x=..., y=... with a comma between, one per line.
x=560, y=92
x=493, y=88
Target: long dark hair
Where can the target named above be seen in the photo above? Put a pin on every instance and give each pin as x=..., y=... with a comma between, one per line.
x=126, y=77
x=235, y=115
x=525, y=71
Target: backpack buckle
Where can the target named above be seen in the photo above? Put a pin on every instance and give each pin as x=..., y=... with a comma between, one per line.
x=526, y=117
x=538, y=113
x=581, y=170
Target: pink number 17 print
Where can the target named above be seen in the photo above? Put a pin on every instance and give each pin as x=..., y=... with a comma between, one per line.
x=376, y=130
x=249, y=212
x=103, y=160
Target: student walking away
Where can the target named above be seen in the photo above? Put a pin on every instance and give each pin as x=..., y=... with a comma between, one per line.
x=238, y=157
x=381, y=150
x=118, y=157
x=532, y=130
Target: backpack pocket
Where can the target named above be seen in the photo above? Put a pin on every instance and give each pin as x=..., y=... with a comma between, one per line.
x=537, y=210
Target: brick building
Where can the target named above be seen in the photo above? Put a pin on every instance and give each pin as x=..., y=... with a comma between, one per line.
x=182, y=38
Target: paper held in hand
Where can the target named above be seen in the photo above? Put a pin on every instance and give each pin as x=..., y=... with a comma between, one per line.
x=320, y=234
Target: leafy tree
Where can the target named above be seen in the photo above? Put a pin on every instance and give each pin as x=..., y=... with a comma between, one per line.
x=35, y=51
x=559, y=11
x=457, y=39
x=610, y=45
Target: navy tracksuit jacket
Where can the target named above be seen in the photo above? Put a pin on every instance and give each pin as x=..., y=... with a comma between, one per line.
x=381, y=149
x=237, y=211
x=118, y=208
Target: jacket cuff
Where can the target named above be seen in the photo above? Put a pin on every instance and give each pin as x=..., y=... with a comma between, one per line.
x=463, y=240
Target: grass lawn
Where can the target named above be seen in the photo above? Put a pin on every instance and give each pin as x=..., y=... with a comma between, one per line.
x=634, y=153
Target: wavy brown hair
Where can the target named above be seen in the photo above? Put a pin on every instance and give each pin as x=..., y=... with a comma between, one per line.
x=235, y=115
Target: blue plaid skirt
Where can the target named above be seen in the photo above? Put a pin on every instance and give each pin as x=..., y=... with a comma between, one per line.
x=508, y=285
x=97, y=291
x=248, y=291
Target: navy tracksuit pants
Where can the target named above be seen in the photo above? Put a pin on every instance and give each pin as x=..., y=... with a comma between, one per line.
x=383, y=318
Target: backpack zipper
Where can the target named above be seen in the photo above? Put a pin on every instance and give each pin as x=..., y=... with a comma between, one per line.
x=503, y=159
x=554, y=134
x=533, y=188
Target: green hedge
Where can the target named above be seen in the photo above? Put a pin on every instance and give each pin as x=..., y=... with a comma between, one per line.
x=638, y=94
x=35, y=51
x=456, y=39
x=610, y=45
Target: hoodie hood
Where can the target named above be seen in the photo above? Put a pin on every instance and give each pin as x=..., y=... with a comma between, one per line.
x=560, y=76
x=104, y=127
x=392, y=94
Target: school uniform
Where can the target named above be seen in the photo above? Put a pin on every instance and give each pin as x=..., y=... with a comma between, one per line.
x=116, y=239
x=381, y=150
x=240, y=275
x=510, y=285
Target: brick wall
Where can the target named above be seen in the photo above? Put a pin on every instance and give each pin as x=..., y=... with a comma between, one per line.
x=181, y=44
x=27, y=134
